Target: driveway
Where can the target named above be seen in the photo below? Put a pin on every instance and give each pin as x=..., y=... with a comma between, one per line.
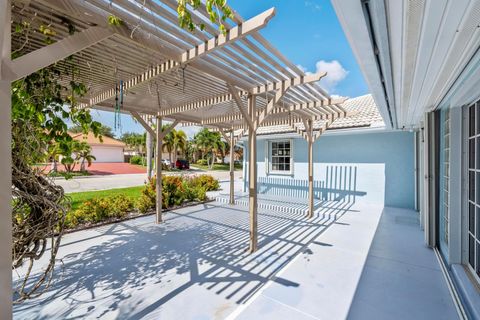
x=115, y=181
x=106, y=168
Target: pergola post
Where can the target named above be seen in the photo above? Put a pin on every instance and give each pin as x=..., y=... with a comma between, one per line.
x=5, y=165
x=158, y=169
x=310, y=168
x=232, y=168
x=252, y=174
x=149, y=146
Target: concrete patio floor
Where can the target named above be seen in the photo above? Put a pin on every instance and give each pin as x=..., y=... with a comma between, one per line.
x=195, y=266
x=370, y=264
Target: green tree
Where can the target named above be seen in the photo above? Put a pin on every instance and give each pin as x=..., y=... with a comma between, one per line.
x=135, y=140
x=83, y=152
x=218, y=12
x=210, y=143
x=103, y=130
x=42, y=105
x=179, y=143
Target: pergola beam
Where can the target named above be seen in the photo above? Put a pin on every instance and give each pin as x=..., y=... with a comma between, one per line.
x=133, y=82
x=240, y=106
x=191, y=55
x=280, y=111
x=282, y=88
x=271, y=86
x=232, y=34
x=144, y=124
x=41, y=58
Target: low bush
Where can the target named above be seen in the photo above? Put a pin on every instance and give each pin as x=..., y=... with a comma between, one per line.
x=205, y=181
x=202, y=162
x=175, y=191
x=99, y=209
x=137, y=160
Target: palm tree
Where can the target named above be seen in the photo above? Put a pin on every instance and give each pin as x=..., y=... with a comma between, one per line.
x=53, y=153
x=179, y=142
x=83, y=153
x=168, y=141
x=210, y=143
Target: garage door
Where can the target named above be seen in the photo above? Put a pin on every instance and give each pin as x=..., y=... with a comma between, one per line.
x=107, y=154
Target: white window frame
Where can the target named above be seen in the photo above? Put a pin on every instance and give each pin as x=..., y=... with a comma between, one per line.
x=466, y=202
x=268, y=157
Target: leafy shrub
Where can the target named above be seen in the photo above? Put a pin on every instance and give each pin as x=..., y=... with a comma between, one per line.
x=137, y=160
x=205, y=181
x=99, y=209
x=202, y=162
x=201, y=193
x=145, y=203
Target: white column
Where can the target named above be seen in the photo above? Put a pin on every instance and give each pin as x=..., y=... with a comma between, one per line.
x=5, y=168
x=252, y=176
x=149, y=146
x=310, y=177
x=310, y=168
x=232, y=169
x=158, y=170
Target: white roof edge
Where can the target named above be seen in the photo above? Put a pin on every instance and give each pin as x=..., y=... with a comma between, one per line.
x=336, y=132
x=355, y=29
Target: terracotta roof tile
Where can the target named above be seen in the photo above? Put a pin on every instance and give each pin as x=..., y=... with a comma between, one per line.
x=362, y=113
x=92, y=140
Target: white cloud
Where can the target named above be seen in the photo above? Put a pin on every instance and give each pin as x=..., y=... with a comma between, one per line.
x=313, y=5
x=335, y=73
x=190, y=130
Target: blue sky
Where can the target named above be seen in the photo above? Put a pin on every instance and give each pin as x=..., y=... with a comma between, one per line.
x=308, y=33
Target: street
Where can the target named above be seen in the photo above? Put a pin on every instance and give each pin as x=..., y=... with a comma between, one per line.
x=90, y=183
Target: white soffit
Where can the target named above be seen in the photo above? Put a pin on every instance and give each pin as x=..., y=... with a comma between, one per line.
x=430, y=44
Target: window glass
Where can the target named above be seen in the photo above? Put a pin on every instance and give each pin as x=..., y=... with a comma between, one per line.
x=280, y=156
x=474, y=188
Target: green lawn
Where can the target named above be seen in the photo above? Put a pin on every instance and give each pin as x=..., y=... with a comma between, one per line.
x=79, y=197
x=217, y=167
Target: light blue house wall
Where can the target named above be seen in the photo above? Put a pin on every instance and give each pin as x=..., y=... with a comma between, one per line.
x=373, y=167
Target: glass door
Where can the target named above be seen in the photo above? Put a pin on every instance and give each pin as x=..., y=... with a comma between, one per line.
x=473, y=234
x=443, y=186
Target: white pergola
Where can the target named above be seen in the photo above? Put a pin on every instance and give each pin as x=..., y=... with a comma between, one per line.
x=234, y=83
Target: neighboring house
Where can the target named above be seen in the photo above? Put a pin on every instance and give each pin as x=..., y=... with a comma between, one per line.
x=356, y=156
x=421, y=60
x=107, y=150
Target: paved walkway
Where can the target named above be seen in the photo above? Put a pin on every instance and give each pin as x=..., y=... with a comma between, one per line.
x=91, y=183
x=343, y=274
x=106, y=168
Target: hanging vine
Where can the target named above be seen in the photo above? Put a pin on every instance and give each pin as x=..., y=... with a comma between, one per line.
x=42, y=104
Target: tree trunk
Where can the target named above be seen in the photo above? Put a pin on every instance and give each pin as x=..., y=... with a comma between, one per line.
x=82, y=165
x=54, y=167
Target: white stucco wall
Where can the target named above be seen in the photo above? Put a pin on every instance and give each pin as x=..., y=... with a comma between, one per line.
x=108, y=154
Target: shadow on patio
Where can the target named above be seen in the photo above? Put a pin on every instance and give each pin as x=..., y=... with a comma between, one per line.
x=195, y=264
